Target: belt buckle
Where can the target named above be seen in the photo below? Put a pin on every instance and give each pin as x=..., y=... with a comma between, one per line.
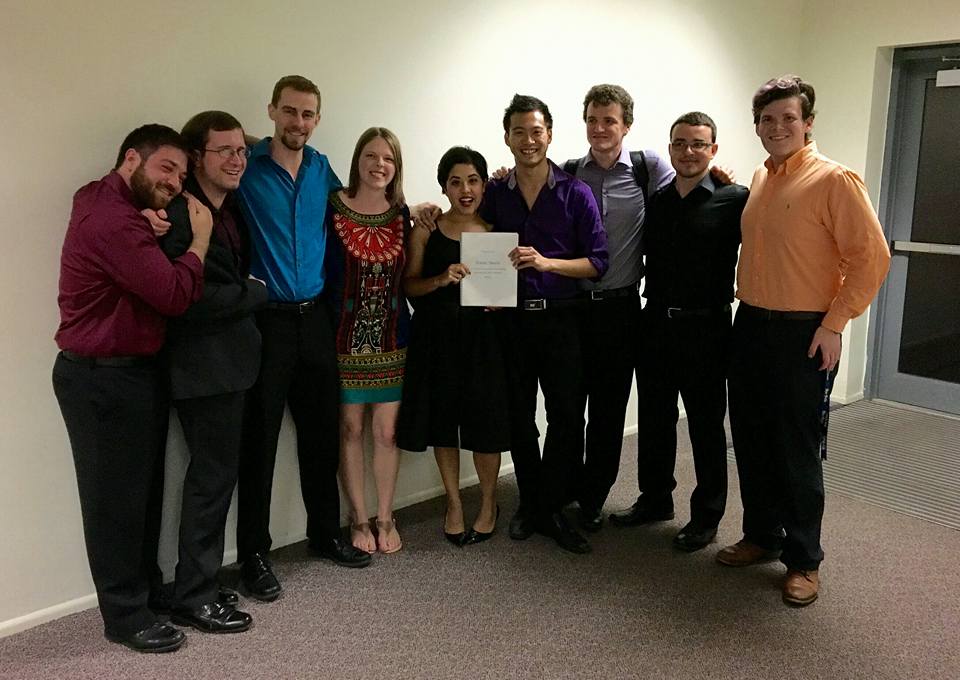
x=303, y=307
x=596, y=294
x=537, y=304
x=671, y=310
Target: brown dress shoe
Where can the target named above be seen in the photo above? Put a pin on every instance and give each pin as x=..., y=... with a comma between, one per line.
x=744, y=553
x=800, y=587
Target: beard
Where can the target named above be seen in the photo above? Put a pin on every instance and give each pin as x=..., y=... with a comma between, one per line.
x=150, y=194
x=293, y=143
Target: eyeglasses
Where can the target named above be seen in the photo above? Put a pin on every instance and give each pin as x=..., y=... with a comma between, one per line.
x=228, y=152
x=698, y=145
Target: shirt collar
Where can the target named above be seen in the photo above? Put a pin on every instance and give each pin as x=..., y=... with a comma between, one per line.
x=262, y=148
x=551, y=178
x=795, y=161
x=623, y=159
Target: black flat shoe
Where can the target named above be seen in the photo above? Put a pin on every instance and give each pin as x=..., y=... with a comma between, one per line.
x=340, y=552
x=456, y=539
x=692, y=537
x=557, y=528
x=258, y=579
x=158, y=638
x=213, y=617
x=474, y=536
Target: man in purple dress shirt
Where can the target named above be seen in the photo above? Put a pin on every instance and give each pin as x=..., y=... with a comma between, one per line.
x=116, y=290
x=561, y=240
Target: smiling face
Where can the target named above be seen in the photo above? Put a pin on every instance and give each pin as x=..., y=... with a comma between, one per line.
x=528, y=138
x=605, y=127
x=156, y=180
x=691, y=149
x=211, y=168
x=377, y=165
x=782, y=129
x=464, y=188
x=294, y=117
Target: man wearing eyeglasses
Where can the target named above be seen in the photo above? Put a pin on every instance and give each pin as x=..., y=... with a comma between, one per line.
x=213, y=356
x=284, y=199
x=692, y=235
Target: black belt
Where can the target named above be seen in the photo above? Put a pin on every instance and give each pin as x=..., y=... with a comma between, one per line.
x=298, y=307
x=541, y=304
x=778, y=315
x=606, y=294
x=685, y=312
x=108, y=361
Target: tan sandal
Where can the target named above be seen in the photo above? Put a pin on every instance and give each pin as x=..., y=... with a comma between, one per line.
x=362, y=528
x=384, y=527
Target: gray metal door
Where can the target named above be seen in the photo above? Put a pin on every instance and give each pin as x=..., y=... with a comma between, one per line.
x=918, y=317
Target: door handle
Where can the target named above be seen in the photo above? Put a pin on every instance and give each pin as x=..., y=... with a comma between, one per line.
x=921, y=247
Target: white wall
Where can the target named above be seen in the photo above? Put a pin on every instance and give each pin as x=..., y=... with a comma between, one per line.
x=77, y=77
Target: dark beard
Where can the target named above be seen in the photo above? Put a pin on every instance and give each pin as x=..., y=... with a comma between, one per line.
x=145, y=193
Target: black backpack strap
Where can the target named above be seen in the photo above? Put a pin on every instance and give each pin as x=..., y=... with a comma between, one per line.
x=570, y=167
x=641, y=174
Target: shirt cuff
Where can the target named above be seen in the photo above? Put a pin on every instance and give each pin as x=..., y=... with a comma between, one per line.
x=835, y=321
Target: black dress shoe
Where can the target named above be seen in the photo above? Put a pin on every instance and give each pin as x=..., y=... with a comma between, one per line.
x=228, y=596
x=165, y=606
x=521, y=525
x=639, y=513
x=474, y=536
x=340, y=552
x=213, y=617
x=557, y=528
x=160, y=637
x=258, y=578
x=693, y=537
x=590, y=520
x=456, y=539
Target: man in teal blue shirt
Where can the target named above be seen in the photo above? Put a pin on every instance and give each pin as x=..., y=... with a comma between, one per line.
x=284, y=199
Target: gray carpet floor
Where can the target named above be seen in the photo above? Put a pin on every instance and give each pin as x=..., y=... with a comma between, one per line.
x=635, y=608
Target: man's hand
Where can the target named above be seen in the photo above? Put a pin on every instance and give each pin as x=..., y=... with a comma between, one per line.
x=524, y=257
x=425, y=215
x=829, y=344
x=500, y=172
x=201, y=221
x=723, y=174
x=158, y=221
x=454, y=275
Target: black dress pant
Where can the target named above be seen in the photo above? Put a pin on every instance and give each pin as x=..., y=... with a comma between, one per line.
x=775, y=397
x=212, y=428
x=548, y=354
x=116, y=418
x=609, y=335
x=298, y=367
x=685, y=356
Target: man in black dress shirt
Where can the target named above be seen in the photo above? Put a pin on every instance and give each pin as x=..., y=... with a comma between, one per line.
x=692, y=238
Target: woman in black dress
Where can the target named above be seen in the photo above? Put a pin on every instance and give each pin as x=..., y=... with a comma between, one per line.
x=454, y=392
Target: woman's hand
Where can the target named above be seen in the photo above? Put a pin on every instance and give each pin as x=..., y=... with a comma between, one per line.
x=454, y=275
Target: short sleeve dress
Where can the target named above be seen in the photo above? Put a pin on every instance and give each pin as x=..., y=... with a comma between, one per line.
x=364, y=265
x=455, y=393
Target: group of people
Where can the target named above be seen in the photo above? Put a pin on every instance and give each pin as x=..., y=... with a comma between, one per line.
x=234, y=280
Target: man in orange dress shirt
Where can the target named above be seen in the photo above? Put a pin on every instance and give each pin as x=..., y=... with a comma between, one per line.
x=813, y=257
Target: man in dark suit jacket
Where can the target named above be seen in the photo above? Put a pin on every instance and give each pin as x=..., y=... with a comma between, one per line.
x=213, y=354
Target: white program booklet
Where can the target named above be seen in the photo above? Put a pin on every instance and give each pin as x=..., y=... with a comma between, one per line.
x=493, y=280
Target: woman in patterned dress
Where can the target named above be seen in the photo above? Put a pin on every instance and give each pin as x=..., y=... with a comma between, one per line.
x=368, y=226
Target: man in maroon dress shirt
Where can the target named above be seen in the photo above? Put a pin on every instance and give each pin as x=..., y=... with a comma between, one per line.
x=116, y=290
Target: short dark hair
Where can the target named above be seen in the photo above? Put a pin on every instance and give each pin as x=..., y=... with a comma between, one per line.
x=457, y=155
x=696, y=118
x=785, y=87
x=298, y=83
x=196, y=131
x=148, y=138
x=523, y=103
x=394, y=190
x=604, y=95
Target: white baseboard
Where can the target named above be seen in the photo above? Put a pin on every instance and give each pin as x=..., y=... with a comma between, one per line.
x=846, y=398
x=27, y=621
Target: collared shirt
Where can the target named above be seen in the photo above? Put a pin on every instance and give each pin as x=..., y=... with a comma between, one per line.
x=692, y=244
x=286, y=219
x=116, y=285
x=811, y=240
x=564, y=223
x=622, y=210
